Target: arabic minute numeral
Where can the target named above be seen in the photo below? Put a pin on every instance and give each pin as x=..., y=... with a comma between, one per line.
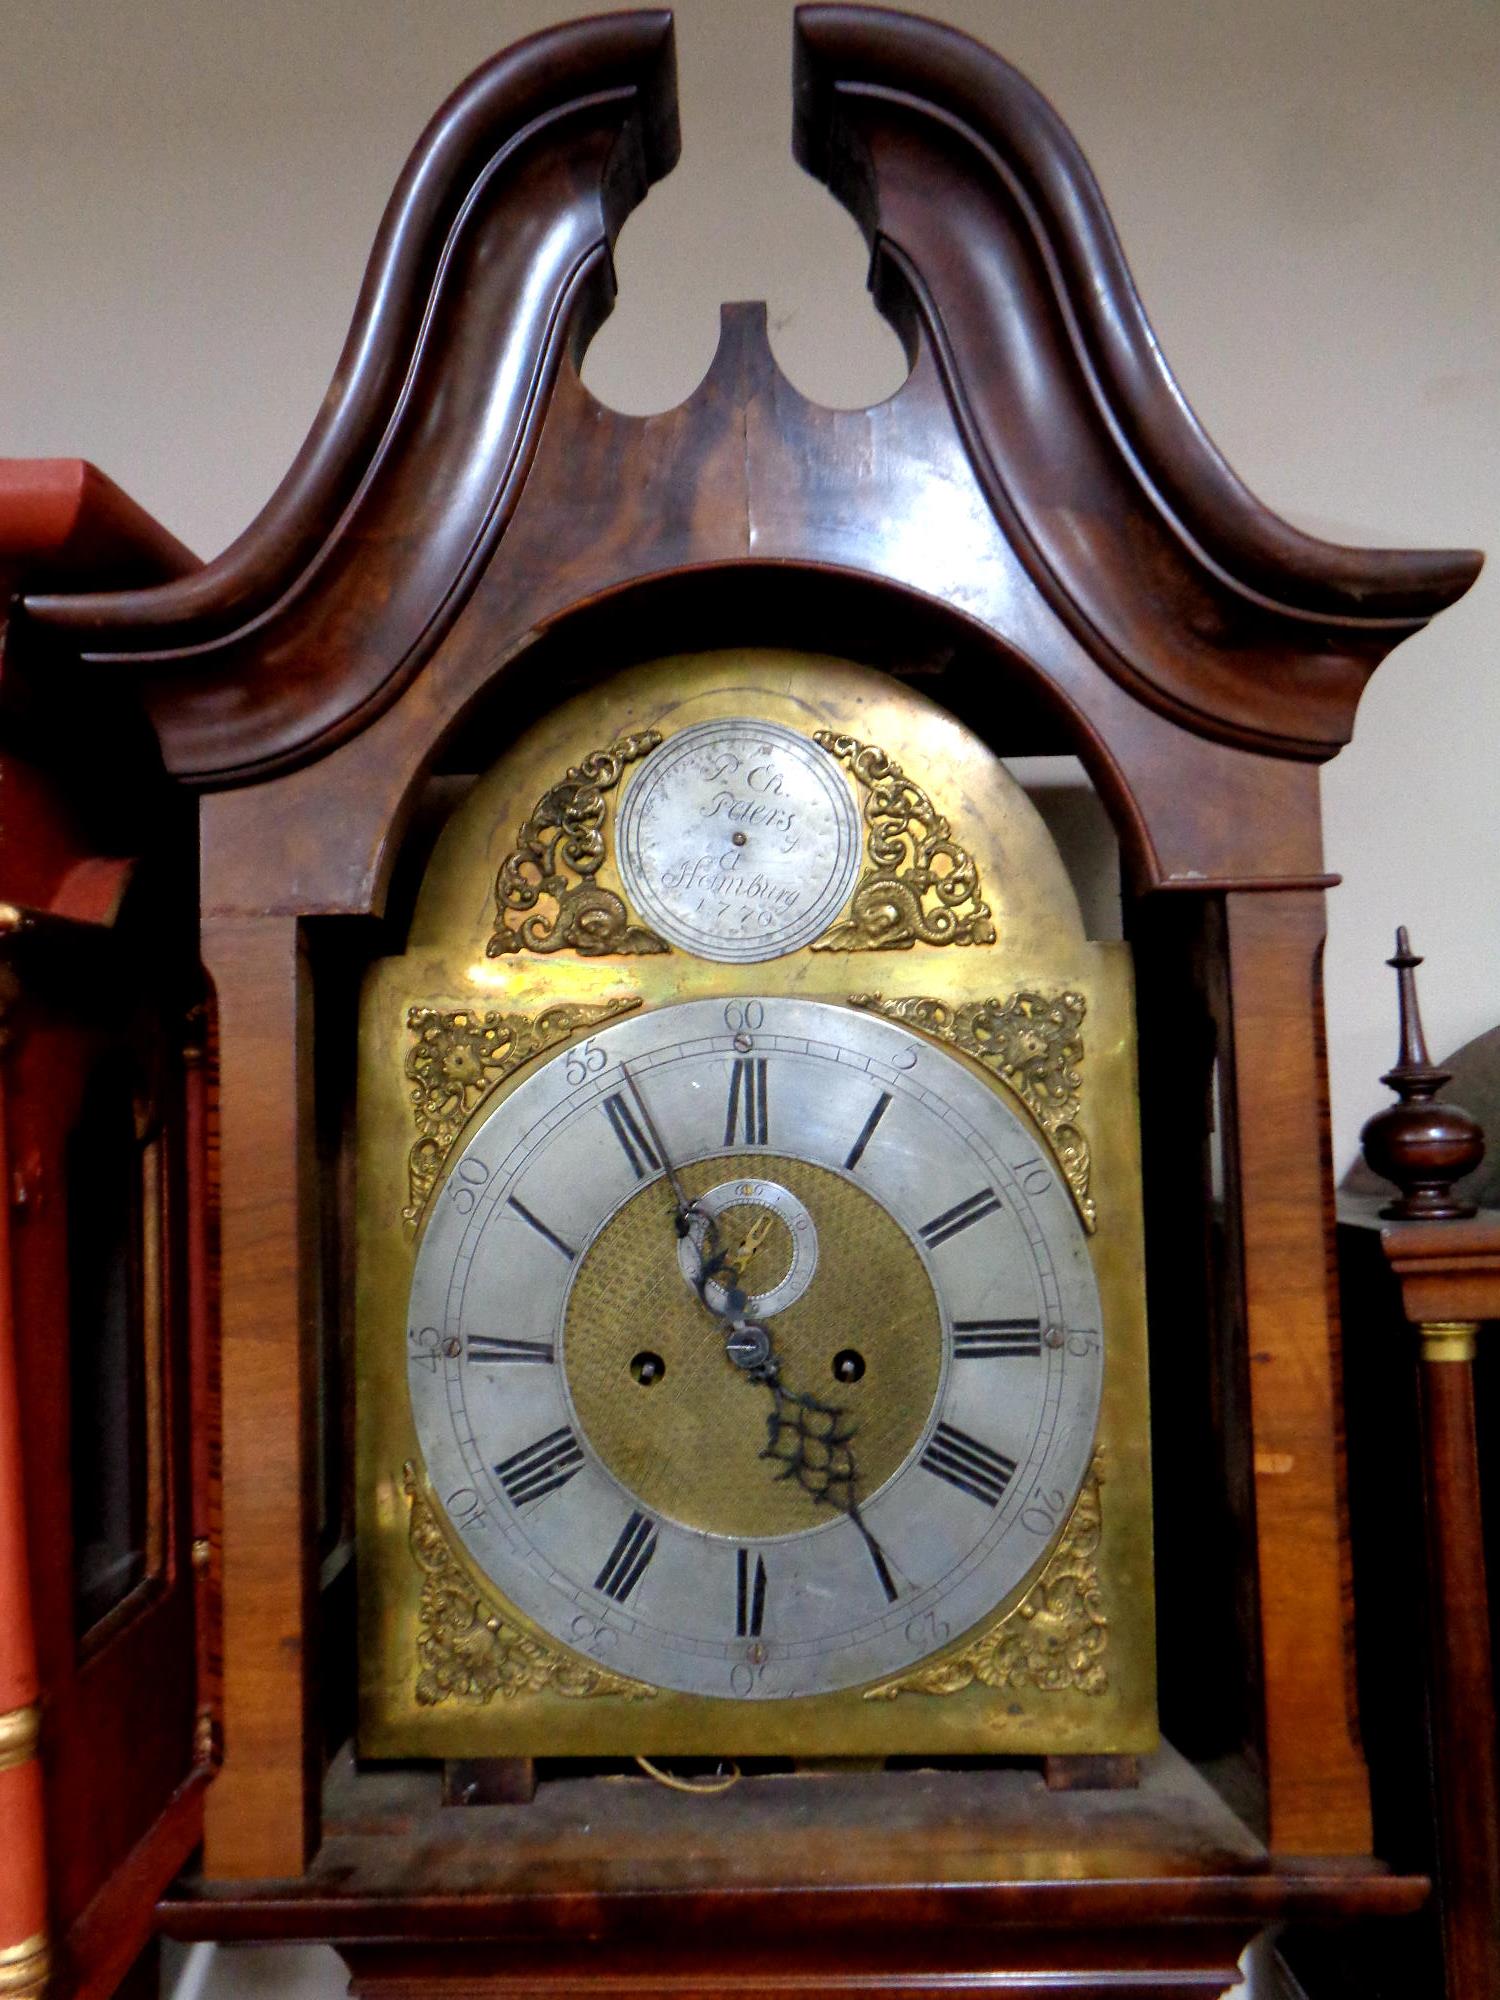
x=464, y=1506
x=743, y=1675
x=1043, y=1510
x=469, y=1176
x=927, y=1630
x=425, y=1342
x=583, y=1062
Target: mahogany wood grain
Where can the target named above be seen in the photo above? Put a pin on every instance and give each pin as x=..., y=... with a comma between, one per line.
x=928, y=1880
x=1463, y=1682
x=1425, y=1605
x=835, y=539
x=1101, y=483
x=1450, y=1272
x=1318, y=1799
x=262, y=1813
x=1085, y=1967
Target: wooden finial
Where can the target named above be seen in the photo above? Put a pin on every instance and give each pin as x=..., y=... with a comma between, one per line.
x=1421, y=1144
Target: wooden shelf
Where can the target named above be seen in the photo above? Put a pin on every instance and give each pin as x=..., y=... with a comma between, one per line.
x=910, y=1850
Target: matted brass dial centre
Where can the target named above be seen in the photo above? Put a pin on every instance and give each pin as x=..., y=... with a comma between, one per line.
x=688, y=1443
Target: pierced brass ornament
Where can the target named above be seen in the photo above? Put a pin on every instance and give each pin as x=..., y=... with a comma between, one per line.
x=459, y=1056
x=919, y=885
x=469, y=1652
x=559, y=851
x=1032, y=1043
x=1054, y=1639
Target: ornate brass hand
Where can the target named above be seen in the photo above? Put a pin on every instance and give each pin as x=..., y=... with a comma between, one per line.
x=807, y=1438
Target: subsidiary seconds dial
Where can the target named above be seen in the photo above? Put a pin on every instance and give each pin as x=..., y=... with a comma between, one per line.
x=755, y=1348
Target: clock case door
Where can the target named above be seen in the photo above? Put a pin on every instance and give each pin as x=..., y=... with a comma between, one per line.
x=448, y=1666
x=1035, y=528
x=108, y=1655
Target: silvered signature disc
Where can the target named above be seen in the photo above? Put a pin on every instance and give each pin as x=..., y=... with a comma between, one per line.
x=738, y=840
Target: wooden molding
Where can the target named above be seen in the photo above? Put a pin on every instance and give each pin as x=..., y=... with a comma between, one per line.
x=989, y=231
x=492, y=257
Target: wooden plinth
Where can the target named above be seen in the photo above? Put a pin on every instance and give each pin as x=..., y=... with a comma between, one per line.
x=898, y=1883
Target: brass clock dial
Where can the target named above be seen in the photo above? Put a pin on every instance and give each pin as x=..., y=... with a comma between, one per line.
x=751, y=1341
x=614, y=1451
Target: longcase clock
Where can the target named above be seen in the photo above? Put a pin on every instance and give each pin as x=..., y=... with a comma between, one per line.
x=629, y=1217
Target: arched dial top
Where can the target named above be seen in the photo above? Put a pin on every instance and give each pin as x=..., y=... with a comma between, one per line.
x=897, y=1456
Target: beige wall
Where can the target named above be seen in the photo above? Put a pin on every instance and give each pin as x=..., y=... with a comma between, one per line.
x=1309, y=192
x=1307, y=189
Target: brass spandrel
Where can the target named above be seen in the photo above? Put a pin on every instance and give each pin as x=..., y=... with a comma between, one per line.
x=468, y=1650
x=461, y=1054
x=920, y=884
x=560, y=848
x=1033, y=1043
x=1054, y=1641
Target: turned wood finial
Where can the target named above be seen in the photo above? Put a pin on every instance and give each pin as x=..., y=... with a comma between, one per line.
x=1421, y=1144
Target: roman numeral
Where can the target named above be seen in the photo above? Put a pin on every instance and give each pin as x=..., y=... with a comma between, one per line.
x=982, y=1339
x=541, y=1468
x=490, y=1347
x=628, y=1558
x=867, y=1133
x=548, y=1235
x=952, y=1220
x=638, y=1148
x=970, y=1466
x=750, y=1596
x=746, y=1123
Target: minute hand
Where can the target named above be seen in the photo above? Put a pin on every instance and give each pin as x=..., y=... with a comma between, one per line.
x=685, y=1208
